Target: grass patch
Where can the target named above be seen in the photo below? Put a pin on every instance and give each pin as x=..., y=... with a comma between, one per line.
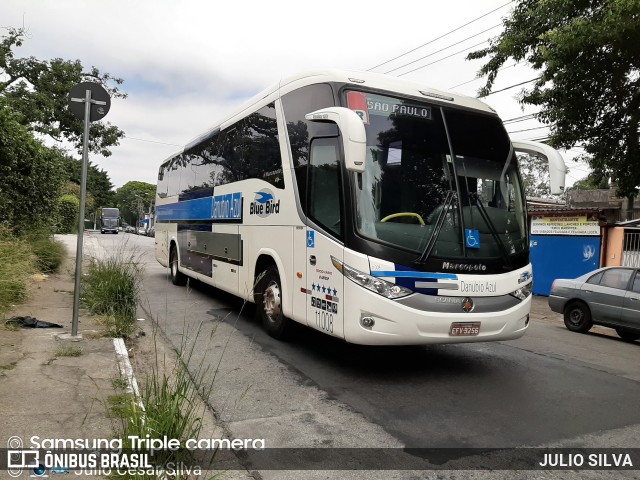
x=119, y=384
x=68, y=351
x=120, y=404
x=17, y=263
x=111, y=290
x=49, y=253
x=170, y=404
x=10, y=366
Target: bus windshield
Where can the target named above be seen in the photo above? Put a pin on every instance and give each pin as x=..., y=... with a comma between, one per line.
x=110, y=222
x=439, y=182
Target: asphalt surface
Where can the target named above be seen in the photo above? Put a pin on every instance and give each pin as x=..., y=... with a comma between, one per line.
x=550, y=388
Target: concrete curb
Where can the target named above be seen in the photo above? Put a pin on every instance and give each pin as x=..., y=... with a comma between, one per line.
x=124, y=365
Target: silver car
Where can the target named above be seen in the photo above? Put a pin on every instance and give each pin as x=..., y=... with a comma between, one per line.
x=608, y=296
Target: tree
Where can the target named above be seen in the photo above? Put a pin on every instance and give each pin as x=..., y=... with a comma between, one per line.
x=587, y=53
x=98, y=182
x=68, y=209
x=39, y=90
x=73, y=189
x=135, y=198
x=30, y=176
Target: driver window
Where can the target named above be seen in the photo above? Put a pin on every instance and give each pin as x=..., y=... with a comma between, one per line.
x=324, y=184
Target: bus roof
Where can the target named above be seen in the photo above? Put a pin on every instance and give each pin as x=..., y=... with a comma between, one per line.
x=357, y=78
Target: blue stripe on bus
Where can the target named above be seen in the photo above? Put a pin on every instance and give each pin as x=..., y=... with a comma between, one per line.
x=197, y=209
x=413, y=274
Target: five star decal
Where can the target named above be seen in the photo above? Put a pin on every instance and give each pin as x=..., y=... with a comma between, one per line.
x=324, y=289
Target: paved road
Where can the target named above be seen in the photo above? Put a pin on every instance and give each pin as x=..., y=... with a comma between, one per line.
x=552, y=387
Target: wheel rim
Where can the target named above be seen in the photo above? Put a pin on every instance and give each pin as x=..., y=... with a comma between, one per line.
x=271, y=302
x=576, y=316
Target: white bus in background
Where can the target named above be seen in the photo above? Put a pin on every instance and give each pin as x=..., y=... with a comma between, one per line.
x=367, y=207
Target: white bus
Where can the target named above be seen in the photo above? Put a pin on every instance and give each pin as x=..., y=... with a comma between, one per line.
x=367, y=207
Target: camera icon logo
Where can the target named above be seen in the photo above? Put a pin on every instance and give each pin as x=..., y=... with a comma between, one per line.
x=19, y=458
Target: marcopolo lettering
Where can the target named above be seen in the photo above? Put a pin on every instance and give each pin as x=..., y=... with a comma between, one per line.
x=227, y=207
x=467, y=267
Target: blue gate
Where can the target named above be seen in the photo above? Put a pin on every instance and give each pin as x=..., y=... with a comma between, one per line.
x=561, y=256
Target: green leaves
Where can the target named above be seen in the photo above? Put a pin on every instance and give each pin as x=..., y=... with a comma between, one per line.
x=33, y=100
x=588, y=55
x=132, y=196
x=30, y=176
x=39, y=90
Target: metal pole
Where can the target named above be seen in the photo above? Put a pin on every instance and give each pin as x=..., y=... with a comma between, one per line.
x=83, y=192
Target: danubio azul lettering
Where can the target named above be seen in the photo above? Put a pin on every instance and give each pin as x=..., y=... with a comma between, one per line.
x=477, y=287
x=227, y=207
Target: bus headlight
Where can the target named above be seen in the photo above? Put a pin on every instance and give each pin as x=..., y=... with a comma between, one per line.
x=523, y=292
x=377, y=285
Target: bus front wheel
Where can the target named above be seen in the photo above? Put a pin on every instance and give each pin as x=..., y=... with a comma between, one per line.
x=270, y=305
x=177, y=278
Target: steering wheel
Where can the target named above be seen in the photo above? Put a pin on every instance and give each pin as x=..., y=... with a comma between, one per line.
x=404, y=214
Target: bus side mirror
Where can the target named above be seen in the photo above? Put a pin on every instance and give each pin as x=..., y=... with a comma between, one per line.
x=557, y=168
x=354, y=137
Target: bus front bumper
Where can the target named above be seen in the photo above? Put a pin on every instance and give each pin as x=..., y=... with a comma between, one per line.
x=392, y=323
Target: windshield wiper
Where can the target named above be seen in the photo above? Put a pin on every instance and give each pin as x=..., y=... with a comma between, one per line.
x=492, y=228
x=448, y=201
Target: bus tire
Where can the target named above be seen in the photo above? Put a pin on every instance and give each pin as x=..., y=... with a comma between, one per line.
x=177, y=278
x=270, y=304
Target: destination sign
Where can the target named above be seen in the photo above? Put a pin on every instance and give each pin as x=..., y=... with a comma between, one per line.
x=366, y=104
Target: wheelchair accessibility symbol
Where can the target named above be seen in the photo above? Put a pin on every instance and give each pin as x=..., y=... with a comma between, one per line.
x=311, y=242
x=472, y=238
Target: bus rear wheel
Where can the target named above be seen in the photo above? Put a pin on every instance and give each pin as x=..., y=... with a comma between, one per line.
x=177, y=278
x=270, y=304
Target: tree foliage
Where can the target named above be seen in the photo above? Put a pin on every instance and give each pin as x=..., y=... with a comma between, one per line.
x=39, y=91
x=68, y=209
x=99, y=184
x=592, y=181
x=30, y=176
x=587, y=53
x=134, y=199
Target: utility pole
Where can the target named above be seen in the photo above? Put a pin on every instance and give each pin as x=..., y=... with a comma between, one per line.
x=89, y=102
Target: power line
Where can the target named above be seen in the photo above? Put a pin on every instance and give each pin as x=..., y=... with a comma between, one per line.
x=520, y=119
x=478, y=78
x=442, y=49
x=539, y=139
x=528, y=129
x=441, y=36
x=152, y=141
x=443, y=58
x=512, y=86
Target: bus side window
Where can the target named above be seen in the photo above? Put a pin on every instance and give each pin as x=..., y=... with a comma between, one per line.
x=324, y=184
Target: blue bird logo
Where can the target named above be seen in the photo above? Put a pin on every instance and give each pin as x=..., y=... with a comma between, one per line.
x=263, y=197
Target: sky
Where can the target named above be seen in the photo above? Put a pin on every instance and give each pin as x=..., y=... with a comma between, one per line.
x=187, y=64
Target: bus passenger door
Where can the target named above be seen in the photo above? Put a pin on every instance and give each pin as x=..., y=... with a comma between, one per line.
x=324, y=282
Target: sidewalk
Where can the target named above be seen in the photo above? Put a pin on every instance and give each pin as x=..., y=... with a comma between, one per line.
x=49, y=395
x=44, y=392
